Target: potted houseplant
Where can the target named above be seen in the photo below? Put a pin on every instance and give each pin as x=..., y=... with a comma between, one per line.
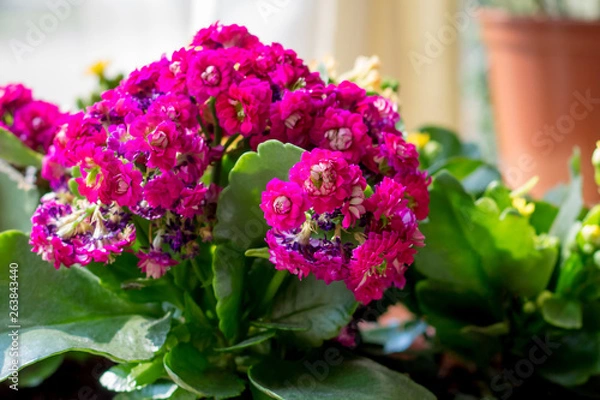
x=215, y=220
x=543, y=62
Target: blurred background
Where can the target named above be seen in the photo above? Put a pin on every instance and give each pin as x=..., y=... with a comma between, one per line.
x=432, y=47
x=49, y=44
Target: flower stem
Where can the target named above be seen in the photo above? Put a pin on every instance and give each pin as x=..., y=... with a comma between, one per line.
x=206, y=283
x=272, y=289
x=216, y=177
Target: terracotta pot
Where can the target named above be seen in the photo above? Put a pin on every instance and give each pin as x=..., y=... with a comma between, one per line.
x=545, y=86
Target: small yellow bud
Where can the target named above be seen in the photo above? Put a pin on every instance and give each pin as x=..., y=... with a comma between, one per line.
x=98, y=68
x=524, y=208
x=591, y=234
x=419, y=139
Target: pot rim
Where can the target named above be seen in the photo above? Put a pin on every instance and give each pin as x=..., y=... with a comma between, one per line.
x=497, y=16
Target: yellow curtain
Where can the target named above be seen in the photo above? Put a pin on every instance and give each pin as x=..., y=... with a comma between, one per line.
x=418, y=44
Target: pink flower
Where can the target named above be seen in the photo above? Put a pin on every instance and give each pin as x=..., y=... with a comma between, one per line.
x=163, y=191
x=377, y=264
x=124, y=185
x=53, y=171
x=285, y=260
x=192, y=201
x=36, y=124
x=155, y=263
x=209, y=73
x=291, y=118
x=284, y=205
x=143, y=82
x=387, y=199
x=329, y=267
x=218, y=35
x=13, y=96
x=79, y=132
x=70, y=234
x=354, y=206
x=416, y=183
x=397, y=154
x=173, y=78
x=245, y=107
x=346, y=94
x=379, y=114
x=341, y=130
x=325, y=176
x=163, y=145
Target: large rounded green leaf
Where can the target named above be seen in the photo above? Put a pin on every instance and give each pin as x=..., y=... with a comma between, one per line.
x=240, y=218
x=325, y=308
x=18, y=199
x=334, y=375
x=229, y=271
x=191, y=370
x=448, y=255
x=15, y=152
x=68, y=310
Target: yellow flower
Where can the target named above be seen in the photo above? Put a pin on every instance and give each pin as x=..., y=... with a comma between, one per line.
x=591, y=234
x=523, y=207
x=419, y=139
x=98, y=68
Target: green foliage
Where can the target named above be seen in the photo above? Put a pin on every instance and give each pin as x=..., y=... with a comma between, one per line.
x=77, y=313
x=15, y=152
x=192, y=371
x=18, y=200
x=325, y=308
x=336, y=375
x=240, y=219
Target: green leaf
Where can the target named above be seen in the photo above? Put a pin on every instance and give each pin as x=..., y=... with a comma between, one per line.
x=327, y=308
x=279, y=326
x=251, y=341
x=333, y=375
x=37, y=373
x=448, y=255
x=475, y=245
x=69, y=310
x=129, y=377
x=191, y=370
x=563, y=313
x=497, y=329
x=16, y=152
x=475, y=175
x=459, y=315
x=116, y=379
x=18, y=199
x=125, y=278
x=160, y=390
x=571, y=206
x=229, y=269
x=543, y=216
x=451, y=146
x=241, y=220
x=513, y=256
x=572, y=359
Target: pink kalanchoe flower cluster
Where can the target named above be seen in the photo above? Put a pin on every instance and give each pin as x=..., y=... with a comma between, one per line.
x=366, y=242
x=72, y=231
x=34, y=122
x=153, y=146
